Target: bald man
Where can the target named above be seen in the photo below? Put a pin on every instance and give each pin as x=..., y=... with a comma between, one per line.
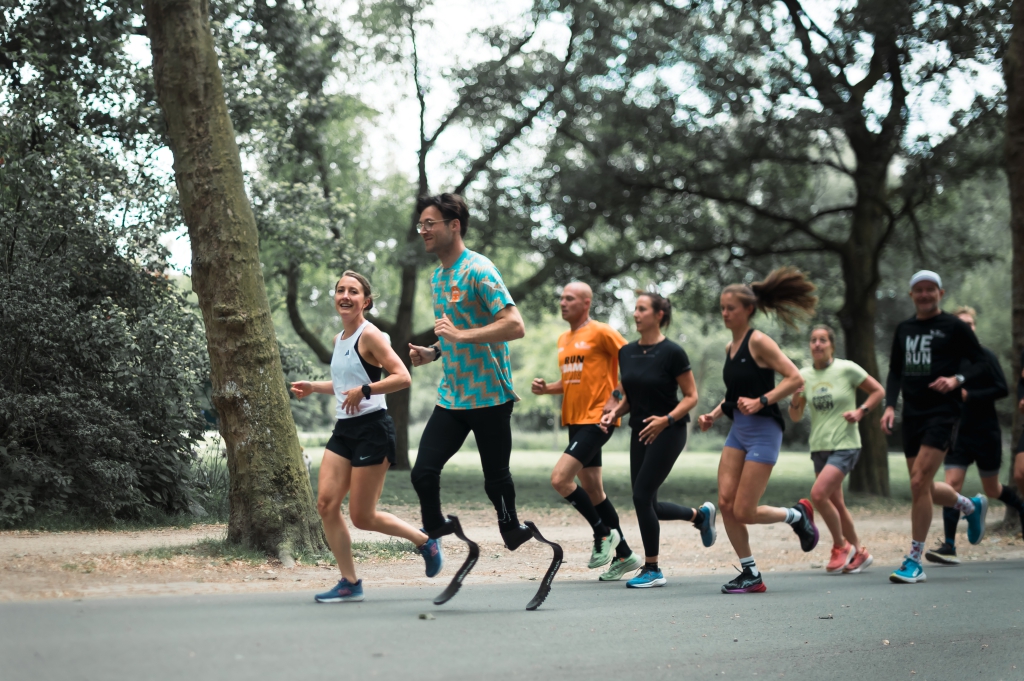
x=588, y=355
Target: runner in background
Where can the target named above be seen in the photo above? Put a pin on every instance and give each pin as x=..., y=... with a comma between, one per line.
x=830, y=393
x=588, y=356
x=979, y=441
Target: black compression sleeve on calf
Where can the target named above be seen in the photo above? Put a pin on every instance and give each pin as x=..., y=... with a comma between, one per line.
x=580, y=500
x=1010, y=497
x=950, y=518
x=611, y=519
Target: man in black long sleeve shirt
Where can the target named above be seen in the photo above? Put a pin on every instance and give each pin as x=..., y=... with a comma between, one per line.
x=980, y=441
x=925, y=366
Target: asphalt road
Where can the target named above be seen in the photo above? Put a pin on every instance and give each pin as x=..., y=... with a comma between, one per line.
x=965, y=623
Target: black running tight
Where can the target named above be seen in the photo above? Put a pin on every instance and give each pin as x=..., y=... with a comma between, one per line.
x=444, y=435
x=649, y=466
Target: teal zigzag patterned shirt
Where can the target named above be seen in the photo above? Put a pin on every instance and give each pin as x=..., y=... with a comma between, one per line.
x=471, y=293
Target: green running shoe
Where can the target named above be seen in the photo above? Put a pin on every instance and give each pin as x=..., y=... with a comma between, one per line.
x=621, y=567
x=602, y=551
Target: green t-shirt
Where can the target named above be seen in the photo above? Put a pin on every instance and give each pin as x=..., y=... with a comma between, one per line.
x=830, y=392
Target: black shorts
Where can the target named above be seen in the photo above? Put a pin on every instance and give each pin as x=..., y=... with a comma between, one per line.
x=585, y=442
x=932, y=431
x=364, y=440
x=982, y=448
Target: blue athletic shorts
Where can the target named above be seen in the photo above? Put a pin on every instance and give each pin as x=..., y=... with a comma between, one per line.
x=759, y=436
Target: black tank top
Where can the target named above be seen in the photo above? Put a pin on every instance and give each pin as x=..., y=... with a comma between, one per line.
x=743, y=378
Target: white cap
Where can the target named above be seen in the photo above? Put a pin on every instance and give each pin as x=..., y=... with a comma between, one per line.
x=926, y=275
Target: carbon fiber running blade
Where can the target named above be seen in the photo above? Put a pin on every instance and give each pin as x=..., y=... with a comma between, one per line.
x=467, y=565
x=549, y=576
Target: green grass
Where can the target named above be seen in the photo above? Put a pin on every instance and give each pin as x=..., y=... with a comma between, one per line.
x=693, y=479
x=214, y=549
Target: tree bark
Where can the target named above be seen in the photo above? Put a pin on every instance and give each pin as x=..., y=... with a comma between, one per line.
x=860, y=257
x=272, y=507
x=1013, y=72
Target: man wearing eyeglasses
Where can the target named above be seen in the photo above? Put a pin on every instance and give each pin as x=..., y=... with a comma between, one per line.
x=475, y=317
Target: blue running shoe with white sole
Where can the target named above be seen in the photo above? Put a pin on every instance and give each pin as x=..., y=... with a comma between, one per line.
x=343, y=592
x=976, y=520
x=706, y=525
x=432, y=556
x=647, y=578
x=910, y=572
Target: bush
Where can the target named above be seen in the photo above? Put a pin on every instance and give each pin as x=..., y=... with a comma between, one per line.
x=100, y=356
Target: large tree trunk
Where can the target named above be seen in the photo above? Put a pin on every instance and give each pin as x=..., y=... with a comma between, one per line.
x=272, y=506
x=857, y=317
x=1013, y=72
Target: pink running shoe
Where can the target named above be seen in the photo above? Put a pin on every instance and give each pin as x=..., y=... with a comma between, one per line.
x=841, y=557
x=860, y=560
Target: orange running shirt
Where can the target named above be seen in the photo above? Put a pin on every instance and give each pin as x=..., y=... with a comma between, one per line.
x=589, y=360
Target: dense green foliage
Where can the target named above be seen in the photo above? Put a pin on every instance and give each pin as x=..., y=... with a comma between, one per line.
x=100, y=357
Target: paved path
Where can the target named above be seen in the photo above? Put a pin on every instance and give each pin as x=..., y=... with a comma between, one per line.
x=965, y=624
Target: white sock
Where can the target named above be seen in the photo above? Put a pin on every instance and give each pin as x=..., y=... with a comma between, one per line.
x=793, y=515
x=748, y=562
x=916, y=548
x=964, y=505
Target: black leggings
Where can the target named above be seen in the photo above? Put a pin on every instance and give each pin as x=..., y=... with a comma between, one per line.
x=443, y=436
x=649, y=466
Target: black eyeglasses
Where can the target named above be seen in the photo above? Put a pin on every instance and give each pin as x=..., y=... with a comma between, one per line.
x=429, y=224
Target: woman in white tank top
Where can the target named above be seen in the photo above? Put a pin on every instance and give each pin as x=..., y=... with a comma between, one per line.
x=362, y=447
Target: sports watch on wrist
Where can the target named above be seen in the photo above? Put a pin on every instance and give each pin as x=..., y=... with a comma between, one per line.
x=959, y=378
x=436, y=347
x=366, y=391
x=865, y=408
x=617, y=394
x=764, y=400
x=671, y=420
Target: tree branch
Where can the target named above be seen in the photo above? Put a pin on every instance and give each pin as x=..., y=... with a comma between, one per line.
x=294, y=276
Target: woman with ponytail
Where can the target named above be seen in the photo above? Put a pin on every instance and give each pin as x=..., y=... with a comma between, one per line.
x=751, y=401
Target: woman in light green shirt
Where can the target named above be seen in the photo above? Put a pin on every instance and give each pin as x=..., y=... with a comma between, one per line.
x=830, y=391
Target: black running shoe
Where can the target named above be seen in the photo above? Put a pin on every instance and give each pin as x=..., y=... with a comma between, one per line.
x=805, y=527
x=745, y=583
x=514, y=537
x=944, y=554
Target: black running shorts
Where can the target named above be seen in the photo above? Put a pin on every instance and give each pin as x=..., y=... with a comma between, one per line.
x=986, y=452
x=932, y=431
x=585, y=442
x=364, y=440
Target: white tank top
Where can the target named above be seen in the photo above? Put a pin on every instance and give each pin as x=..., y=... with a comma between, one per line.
x=349, y=370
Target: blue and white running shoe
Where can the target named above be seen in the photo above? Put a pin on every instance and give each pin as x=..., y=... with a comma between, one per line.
x=432, y=556
x=647, y=578
x=706, y=526
x=342, y=592
x=909, y=573
x=976, y=520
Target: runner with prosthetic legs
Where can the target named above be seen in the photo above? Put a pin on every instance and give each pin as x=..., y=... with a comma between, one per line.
x=475, y=318
x=979, y=440
x=362, y=447
x=654, y=370
x=928, y=351
x=751, y=397
x=830, y=393
x=588, y=355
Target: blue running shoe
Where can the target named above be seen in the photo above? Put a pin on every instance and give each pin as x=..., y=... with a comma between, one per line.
x=976, y=520
x=343, y=592
x=706, y=525
x=909, y=573
x=432, y=556
x=647, y=578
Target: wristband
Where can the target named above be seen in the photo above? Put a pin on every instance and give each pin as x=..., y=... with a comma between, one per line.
x=671, y=420
x=366, y=391
x=865, y=408
x=617, y=394
x=764, y=400
x=437, y=352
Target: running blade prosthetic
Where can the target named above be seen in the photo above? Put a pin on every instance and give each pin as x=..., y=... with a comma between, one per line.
x=454, y=527
x=549, y=576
